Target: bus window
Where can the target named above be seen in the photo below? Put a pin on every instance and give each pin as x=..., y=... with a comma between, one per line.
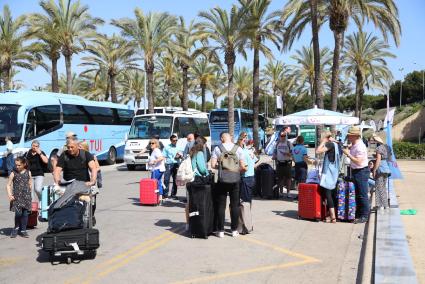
x=185, y=126
x=74, y=114
x=221, y=117
x=202, y=126
x=125, y=116
x=247, y=120
x=149, y=126
x=42, y=120
x=9, y=123
x=100, y=115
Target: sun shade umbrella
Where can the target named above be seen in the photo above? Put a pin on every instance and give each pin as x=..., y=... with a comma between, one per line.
x=317, y=116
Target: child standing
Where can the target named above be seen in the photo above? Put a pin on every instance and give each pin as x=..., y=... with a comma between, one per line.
x=19, y=191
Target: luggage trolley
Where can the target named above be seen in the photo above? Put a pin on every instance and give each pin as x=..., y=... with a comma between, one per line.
x=77, y=242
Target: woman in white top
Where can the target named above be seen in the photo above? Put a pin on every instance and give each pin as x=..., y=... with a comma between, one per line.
x=156, y=164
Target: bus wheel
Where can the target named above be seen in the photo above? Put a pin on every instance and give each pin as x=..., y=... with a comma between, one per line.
x=49, y=163
x=112, y=156
x=131, y=167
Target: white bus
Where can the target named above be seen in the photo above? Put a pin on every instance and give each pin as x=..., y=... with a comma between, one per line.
x=146, y=126
x=163, y=110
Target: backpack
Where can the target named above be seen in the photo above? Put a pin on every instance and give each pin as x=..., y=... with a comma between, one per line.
x=228, y=165
x=185, y=172
x=44, y=166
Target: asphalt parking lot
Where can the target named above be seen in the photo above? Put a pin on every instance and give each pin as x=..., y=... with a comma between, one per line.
x=149, y=244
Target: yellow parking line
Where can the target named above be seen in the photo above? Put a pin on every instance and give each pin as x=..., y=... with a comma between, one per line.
x=246, y=271
x=147, y=246
x=280, y=249
x=9, y=261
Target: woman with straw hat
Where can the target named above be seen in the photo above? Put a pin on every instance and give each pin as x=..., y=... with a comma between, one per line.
x=357, y=153
x=381, y=172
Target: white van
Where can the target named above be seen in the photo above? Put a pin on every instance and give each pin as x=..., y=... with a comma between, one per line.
x=146, y=126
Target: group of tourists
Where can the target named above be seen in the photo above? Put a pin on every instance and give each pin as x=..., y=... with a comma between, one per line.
x=26, y=178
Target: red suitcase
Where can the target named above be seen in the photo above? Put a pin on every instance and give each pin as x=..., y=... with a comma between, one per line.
x=310, y=204
x=149, y=193
x=33, y=217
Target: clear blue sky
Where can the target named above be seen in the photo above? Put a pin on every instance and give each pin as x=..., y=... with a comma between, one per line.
x=410, y=50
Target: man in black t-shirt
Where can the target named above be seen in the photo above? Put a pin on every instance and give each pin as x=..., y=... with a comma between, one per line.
x=75, y=164
x=37, y=162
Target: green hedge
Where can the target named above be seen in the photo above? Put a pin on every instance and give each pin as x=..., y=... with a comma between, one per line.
x=407, y=150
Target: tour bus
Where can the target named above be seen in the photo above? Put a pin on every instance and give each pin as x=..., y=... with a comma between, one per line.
x=146, y=126
x=244, y=122
x=163, y=110
x=46, y=117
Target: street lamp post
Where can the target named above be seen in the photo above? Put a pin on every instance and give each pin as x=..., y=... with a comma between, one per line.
x=401, y=84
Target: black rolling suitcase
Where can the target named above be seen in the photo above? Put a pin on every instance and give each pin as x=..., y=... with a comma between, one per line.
x=268, y=182
x=72, y=241
x=201, y=212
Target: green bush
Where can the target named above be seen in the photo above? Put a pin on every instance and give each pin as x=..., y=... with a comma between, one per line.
x=407, y=150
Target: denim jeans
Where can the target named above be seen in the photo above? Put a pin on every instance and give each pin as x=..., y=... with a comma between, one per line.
x=246, y=187
x=156, y=174
x=37, y=183
x=170, y=171
x=222, y=189
x=361, y=177
x=21, y=219
x=10, y=163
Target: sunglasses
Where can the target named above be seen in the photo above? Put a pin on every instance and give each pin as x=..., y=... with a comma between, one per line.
x=173, y=140
x=152, y=143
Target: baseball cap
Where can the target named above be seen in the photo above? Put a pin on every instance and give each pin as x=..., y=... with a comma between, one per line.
x=70, y=134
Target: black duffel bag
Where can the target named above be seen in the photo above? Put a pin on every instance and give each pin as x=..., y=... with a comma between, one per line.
x=68, y=217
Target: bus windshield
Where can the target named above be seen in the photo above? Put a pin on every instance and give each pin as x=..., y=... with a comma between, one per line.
x=147, y=127
x=9, y=124
x=221, y=117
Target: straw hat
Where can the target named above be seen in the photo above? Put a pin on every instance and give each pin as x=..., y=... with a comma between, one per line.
x=354, y=131
x=377, y=139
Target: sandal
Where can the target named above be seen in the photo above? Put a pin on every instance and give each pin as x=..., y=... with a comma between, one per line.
x=333, y=220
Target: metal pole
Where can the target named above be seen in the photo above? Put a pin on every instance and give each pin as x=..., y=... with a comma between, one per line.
x=401, y=90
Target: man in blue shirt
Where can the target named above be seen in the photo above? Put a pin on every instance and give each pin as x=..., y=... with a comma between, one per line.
x=172, y=158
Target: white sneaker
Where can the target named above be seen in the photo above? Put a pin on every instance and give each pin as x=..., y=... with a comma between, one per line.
x=219, y=234
x=235, y=234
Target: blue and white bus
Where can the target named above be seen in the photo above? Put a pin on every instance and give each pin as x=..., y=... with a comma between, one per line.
x=244, y=122
x=45, y=116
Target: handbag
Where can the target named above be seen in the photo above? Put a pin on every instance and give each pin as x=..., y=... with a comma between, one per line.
x=383, y=168
x=330, y=171
x=313, y=176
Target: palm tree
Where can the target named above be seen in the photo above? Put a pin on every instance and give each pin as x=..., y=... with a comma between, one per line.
x=305, y=70
x=114, y=55
x=152, y=33
x=74, y=26
x=13, y=51
x=382, y=13
x=260, y=27
x=217, y=86
x=186, y=50
x=167, y=72
x=93, y=85
x=204, y=73
x=365, y=59
x=133, y=86
x=243, y=84
x=280, y=79
x=47, y=33
x=226, y=30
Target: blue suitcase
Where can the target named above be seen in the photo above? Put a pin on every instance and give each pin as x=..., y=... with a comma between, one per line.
x=48, y=196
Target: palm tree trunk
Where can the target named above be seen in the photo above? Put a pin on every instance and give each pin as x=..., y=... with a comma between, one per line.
x=113, y=89
x=203, y=104
x=55, y=79
x=316, y=50
x=108, y=90
x=150, y=90
x=256, y=95
x=339, y=38
x=68, y=74
x=169, y=94
x=359, y=94
x=231, y=100
x=185, y=101
x=6, y=78
x=215, y=99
